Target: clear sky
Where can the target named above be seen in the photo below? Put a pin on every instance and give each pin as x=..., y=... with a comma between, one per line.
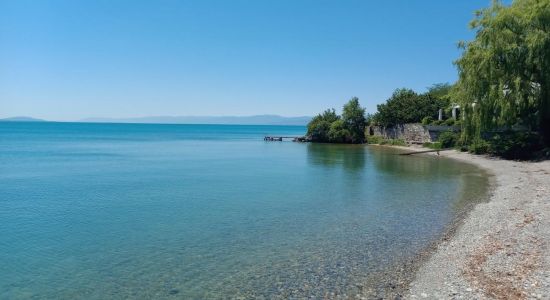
x=66, y=60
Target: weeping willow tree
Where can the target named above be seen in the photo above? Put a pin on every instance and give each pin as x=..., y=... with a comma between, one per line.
x=504, y=73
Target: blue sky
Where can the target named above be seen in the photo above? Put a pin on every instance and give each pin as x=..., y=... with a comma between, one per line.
x=66, y=60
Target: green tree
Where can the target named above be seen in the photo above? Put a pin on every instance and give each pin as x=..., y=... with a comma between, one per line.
x=329, y=127
x=440, y=90
x=354, y=120
x=318, y=128
x=338, y=133
x=406, y=106
x=504, y=73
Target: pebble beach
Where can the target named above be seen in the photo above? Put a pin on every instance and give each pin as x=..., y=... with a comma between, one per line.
x=500, y=250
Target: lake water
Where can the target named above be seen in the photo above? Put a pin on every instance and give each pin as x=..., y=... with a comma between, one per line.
x=101, y=211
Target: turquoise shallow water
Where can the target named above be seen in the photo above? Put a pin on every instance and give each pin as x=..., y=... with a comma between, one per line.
x=102, y=211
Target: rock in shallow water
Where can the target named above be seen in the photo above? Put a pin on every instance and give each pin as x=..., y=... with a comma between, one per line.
x=173, y=291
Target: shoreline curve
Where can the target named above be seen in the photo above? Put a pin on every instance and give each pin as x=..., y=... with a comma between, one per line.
x=500, y=249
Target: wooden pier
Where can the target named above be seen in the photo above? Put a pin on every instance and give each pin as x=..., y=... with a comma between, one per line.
x=270, y=138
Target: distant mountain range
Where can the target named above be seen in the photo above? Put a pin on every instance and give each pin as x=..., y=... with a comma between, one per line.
x=21, y=119
x=229, y=120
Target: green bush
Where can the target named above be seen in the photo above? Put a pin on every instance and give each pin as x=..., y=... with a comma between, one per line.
x=427, y=120
x=338, y=132
x=330, y=127
x=449, y=122
x=435, y=146
x=374, y=139
x=516, y=145
x=397, y=142
x=509, y=145
x=318, y=130
x=394, y=142
x=448, y=139
x=479, y=146
x=437, y=122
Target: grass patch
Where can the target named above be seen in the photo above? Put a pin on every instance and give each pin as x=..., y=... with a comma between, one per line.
x=378, y=140
x=394, y=142
x=434, y=146
x=374, y=139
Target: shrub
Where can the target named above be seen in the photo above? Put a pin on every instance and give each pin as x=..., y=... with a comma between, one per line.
x=449, y=122
x=397, y=142
x=319, y=126
x=448, y=139
x=437, y=122
x=479, y=146
x=427, y=120
x=338, y=132
x=318, y=130
x=516, y=145
x=435, y=146
x=374, y=139
x=394, y=142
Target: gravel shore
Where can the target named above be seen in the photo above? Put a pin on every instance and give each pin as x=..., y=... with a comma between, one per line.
x=501, y=250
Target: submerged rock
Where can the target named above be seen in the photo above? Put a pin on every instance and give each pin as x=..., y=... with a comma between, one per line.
x=174, y=291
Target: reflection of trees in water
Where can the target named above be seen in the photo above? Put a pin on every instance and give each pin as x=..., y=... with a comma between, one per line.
x=467, y=184
x=351, y=157
x=413, y=167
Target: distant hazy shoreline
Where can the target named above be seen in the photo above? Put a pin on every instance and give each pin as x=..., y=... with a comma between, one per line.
x=195, y=120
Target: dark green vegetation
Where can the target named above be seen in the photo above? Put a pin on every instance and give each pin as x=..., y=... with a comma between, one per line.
x=407, y=106
x=448, y=139
x=378, y=140
x=329, y=127
x=435, y=146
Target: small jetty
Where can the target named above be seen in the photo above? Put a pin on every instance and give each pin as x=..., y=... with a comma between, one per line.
x=270, y=138
x=425, y=151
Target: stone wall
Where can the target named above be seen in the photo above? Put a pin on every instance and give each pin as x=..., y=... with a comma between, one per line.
x=411, y=133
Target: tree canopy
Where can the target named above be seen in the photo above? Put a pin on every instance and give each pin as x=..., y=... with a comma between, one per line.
x=440, y=90
x=328, y=127
x=504, y=73
x=353, y=117
x=319, y=126
x=406, y=106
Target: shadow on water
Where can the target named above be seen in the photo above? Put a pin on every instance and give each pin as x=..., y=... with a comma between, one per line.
x=350, y=157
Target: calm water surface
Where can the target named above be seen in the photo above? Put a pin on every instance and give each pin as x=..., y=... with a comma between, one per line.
x=101, y=211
